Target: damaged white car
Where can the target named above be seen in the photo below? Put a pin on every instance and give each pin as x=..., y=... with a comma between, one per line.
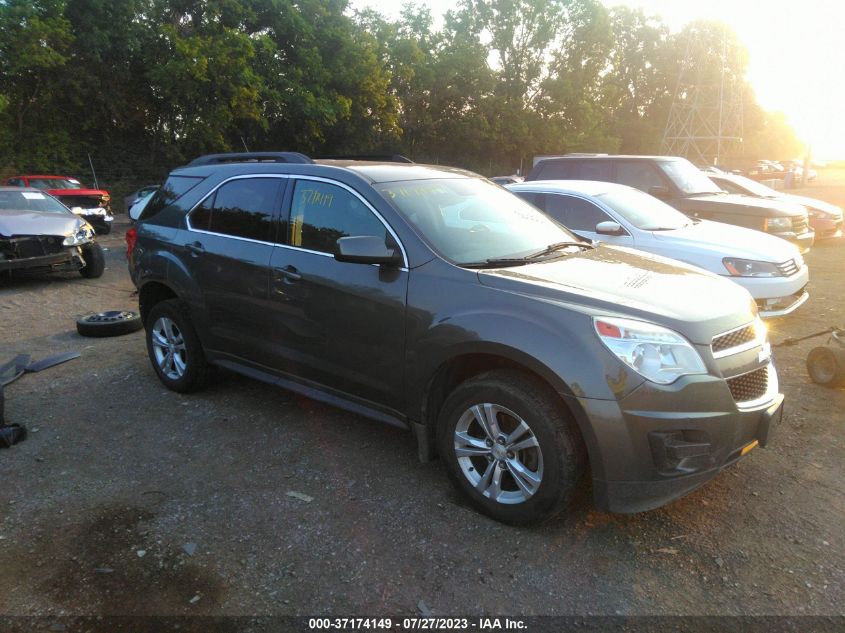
x=39, y=234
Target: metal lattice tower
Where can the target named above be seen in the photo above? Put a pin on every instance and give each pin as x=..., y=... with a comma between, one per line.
x=705, y=120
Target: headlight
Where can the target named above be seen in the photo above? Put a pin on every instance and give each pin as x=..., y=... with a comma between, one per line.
x=778, y=224
x=750, y=268
x=657, y=353
x=83, y=234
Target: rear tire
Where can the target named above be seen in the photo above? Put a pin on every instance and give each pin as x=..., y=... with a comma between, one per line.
x=95, y=261
x=826, y=366
x=175, y=349
x=534, y=481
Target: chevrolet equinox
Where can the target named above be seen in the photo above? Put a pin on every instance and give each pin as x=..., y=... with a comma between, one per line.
x=429, y=298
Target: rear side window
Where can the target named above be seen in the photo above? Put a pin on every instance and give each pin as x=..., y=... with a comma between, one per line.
x=594, y=170
x=240, y=208
x=556, y=170
x=322, y=213
x=575, y=214
x=638, y=174
x=174, y=188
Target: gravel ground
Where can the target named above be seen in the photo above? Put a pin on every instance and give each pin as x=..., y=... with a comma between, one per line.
x=246, y=499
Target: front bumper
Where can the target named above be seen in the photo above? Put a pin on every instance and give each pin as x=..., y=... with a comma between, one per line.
x=777, y=296
x=803, y=240
x=826, y=228
x=96, y=218
x=68, y=260
x=661, y=442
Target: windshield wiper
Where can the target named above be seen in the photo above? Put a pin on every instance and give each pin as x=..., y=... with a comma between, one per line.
x=495, y=262
x=551, y=248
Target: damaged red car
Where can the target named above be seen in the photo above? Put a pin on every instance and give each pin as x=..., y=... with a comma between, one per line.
x=92, y=205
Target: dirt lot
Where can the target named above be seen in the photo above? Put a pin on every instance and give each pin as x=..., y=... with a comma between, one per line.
x=119, y=476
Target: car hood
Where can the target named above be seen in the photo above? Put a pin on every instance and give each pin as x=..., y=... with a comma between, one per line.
x=727, y=240
x=77, y=192
x=741, y=205
x=34, y=223
x=614, y=280
x=812, y=203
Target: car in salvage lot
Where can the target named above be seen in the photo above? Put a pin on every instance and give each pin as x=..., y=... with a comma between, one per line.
x=39, y=234
x=680, y=184
x=516, y=351
x=825, y=218
x=92, y=205
x=771, y=269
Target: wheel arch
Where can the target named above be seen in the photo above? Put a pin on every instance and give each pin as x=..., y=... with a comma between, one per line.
x=151, y=294
x=463, y=366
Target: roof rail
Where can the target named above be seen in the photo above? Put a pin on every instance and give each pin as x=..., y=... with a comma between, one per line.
x=250, y=157
x=585, y=154
x=380, y=158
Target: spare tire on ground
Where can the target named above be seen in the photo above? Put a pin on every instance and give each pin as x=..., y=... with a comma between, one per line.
x=109, y=323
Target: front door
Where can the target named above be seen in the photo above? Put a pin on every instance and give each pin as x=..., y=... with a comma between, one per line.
x=581, y=217
x=338, y=324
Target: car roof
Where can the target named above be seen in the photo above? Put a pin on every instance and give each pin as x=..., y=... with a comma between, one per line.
x=584, y=187
x=372, y=172
x=44, y=176
x=611, y=157
x=29, y=189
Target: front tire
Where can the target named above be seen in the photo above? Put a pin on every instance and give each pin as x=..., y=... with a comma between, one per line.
x=95, y=261
x=511, y=446
x=175, y=349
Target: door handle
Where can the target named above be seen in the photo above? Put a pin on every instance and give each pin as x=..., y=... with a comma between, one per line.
x=196, y=248
x=289, y=273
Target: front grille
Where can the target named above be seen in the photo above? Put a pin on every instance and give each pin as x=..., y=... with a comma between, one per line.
x=30, y=246
x=799, y=224
x=733, y=339
x=750, y=386
x=788, y=268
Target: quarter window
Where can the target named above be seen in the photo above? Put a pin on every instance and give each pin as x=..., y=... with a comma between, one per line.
x=240, y=208
x=322, y=213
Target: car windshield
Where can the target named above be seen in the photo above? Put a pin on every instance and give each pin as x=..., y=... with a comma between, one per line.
x=54, y=183
x=644, y=211
x=754, y=187
x=688, y=178
x=30, y=201
x=469, y=220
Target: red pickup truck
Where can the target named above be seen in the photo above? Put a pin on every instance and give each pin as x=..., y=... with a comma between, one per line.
x=93, y=205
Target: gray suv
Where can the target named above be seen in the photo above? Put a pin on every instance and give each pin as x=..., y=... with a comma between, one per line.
x=434, y=300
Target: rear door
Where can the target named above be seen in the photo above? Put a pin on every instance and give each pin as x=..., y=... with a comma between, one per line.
x=338, y=324
x=228, y=245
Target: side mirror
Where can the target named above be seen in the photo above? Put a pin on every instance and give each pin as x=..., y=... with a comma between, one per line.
x=366, y=249
x=609, y=228
x=659, y=191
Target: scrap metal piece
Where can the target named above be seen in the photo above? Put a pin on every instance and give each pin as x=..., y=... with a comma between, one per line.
x=14, y=369
x=51, y=361
x=11, y=434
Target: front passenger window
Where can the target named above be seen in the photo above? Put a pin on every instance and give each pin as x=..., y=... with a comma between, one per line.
x=576, y=214
x=322, y=213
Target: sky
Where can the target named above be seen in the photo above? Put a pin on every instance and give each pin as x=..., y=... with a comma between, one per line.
x=796, y=48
